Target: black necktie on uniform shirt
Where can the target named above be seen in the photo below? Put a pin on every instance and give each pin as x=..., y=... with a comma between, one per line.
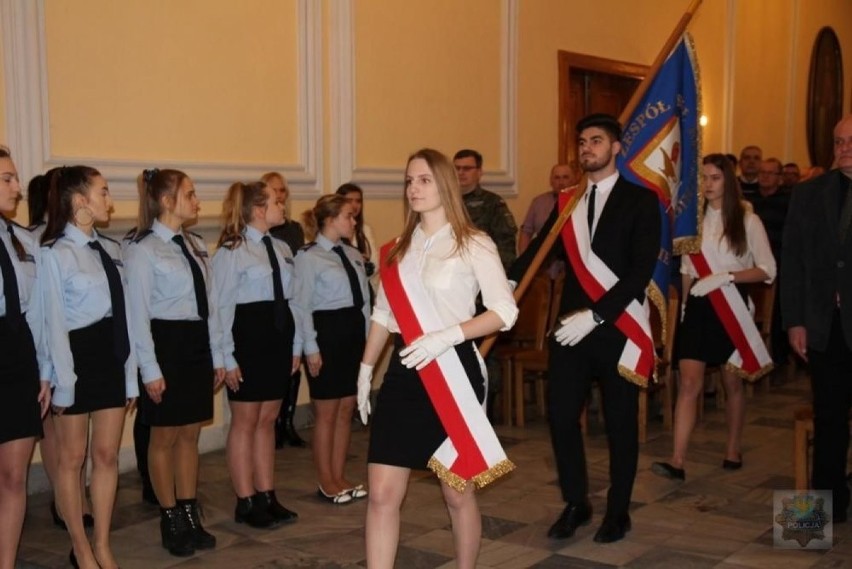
x=10, y=286
x=277, y=287
x=590, y=214
x=357, y=296
x=197, y=279
x=116, y=295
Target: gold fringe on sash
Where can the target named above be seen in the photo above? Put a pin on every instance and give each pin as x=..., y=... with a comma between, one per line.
x=750, y=377
x=632, y=376
x=481, y=480
x=656, y=296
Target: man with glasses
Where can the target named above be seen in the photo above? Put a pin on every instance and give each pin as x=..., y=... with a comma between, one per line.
x=487, y=210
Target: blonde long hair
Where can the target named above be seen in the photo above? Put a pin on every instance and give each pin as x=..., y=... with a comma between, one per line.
x=450, y=194
x=237, y=210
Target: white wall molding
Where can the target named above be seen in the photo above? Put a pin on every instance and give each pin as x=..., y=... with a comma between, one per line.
x=28, y=119
x=381, y=181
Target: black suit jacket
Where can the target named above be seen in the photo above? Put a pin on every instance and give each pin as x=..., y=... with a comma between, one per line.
x=815, y=266
x=627, y=239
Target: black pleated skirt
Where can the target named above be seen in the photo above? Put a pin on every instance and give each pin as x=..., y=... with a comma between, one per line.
x=406, y=430
x=264, y=353
x=20, y=415
x=701, y=335
x=100, y=376
x=341, y=337
x=182, y=348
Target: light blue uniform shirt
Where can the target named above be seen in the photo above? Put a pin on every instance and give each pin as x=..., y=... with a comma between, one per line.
x=322, y=284
x=74, y=288
x=161, y=288
x=26, y=274
x=243, y=275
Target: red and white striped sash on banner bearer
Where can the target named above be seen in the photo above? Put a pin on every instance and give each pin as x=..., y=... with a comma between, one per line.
x=750, y=359
x=471, y=451
x=636, y=363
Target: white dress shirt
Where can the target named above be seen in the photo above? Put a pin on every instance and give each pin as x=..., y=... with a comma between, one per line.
x=758, y=253
x=453, y=279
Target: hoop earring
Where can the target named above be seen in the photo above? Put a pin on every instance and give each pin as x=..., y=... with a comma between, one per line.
x=83, y=215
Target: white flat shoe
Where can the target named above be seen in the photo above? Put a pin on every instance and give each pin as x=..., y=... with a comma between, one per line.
x=358, y=492
x=338, y=499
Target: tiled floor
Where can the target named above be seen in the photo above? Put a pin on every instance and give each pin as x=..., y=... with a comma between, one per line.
x=716, y=519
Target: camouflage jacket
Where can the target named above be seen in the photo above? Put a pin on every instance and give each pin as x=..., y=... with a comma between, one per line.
x=489, y=212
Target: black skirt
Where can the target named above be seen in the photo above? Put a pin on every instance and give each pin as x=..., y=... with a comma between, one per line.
x=100, y=376
x=701, y=335
x=182, y=348
x=341, y=337
x=406, y=429
x=264, y=353
x=20, y=414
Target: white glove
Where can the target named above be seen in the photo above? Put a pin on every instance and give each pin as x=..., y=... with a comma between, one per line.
x=575, y=327
x=429, y=346
x=710, y=283
x=365, y=382
x=512, y=285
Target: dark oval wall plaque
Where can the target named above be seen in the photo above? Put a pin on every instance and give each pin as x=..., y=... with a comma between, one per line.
x=825, y=97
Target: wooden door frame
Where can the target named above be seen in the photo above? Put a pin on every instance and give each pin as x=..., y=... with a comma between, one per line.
x=569, y=62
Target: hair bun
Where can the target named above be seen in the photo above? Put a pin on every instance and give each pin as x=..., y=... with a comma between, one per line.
x=148, y=175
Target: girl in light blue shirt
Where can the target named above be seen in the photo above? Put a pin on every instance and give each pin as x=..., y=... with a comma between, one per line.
x=83, y=287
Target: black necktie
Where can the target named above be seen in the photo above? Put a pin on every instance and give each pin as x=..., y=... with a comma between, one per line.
x=357, y=296
x=116, y=295
x=277, y=288
x=590, y=214
x=197, y=279
x=10, y=286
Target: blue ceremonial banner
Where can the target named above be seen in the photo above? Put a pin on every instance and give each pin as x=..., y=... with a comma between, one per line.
x=660, y=150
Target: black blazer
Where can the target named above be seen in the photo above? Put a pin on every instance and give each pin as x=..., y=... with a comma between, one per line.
x=627, y=239
x=815, y=267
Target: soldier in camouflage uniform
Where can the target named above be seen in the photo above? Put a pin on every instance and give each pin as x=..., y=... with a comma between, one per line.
x=487, y=210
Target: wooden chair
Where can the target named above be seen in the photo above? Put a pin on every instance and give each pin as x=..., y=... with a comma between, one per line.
x=664, y=346
x=763, y=297
x=528, y=332
x=535, y=361
x=802, y=436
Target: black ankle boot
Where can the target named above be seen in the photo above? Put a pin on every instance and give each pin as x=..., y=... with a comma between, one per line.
x=200, y=538
x=273, y=506
x=174, y=530
x=251, y=511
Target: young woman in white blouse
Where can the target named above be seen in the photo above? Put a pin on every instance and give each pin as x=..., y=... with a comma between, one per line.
x=734, y=236
x=443, y=252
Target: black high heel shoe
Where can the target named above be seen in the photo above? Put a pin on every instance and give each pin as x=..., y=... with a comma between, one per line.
x=59, y=522
x=88, y=519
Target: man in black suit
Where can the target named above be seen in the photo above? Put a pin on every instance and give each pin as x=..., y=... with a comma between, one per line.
x=624, y=225
x=816, y=304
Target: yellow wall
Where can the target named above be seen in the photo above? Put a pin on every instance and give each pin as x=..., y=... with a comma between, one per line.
x=217, y=82
x=191, y=80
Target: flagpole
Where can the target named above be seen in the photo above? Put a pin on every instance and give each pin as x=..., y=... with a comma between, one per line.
x=566, y=212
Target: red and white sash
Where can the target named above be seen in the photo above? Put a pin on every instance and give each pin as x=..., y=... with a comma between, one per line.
x=636, y=363
x=750, y=359
x=471, y=451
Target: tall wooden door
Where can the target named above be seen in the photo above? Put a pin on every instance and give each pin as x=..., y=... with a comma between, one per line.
x=590, y=84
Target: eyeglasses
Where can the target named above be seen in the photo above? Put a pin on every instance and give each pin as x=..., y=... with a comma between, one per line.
x=466, y=168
